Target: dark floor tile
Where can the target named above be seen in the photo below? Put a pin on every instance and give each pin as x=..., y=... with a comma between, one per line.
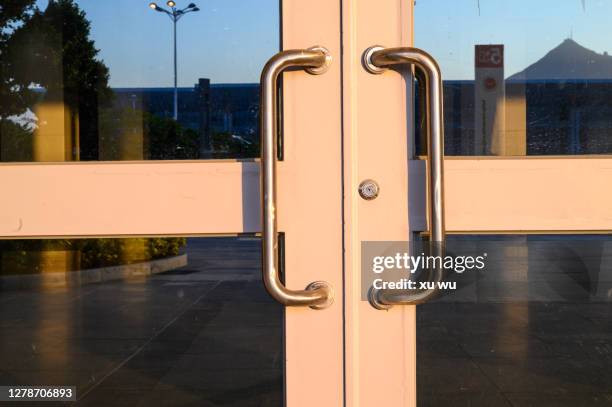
x=234, y=360
x=451, y=375
x=565, y=400
x=238, y=338
x=94, y=346
x=513, y=345
x=462, y=399
x=134, y=378
x=439, y=348
x=550, y=350
x=250, y=314
x=273, y=399
x=241, y=383
x=166, y=395
x=225, y=291
x=546, y=376
x=117, y=397
x=152, y=359
x=168, y=344
x=78, y=378
x=94, y=365
x=189, y=324
x=221, y=387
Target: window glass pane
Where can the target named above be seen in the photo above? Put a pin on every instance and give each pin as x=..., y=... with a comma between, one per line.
x=521, y=77
x=85, y=80
x=530, y=329
x=142, y=321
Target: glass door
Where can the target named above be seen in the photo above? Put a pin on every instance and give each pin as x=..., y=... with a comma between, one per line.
x=132, y=246
x=166, y=164
x=476, y=137
x=527, y=141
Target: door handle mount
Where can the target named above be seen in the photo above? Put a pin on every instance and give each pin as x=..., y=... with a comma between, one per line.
x=316, y=61
x=377, y=60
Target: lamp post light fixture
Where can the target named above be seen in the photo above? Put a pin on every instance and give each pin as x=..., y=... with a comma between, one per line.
x=175, y=15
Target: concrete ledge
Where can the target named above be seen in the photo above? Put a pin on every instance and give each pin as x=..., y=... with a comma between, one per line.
x=90, y=276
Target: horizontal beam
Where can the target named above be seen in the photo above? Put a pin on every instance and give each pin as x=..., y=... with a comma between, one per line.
x=519, y=195
x=132, y=198
x=543, y=195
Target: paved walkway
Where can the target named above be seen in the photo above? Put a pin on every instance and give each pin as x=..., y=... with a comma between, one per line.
x=534, y=330
x=514, y=354
x=204, y=335
x=209, y=335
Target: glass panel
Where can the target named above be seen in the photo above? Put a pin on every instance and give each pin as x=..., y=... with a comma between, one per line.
x=530, y=329
x=95, y=80
x=521, y=77
x=151, y=322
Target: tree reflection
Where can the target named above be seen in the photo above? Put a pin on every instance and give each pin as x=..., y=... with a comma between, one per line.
x=55, y=98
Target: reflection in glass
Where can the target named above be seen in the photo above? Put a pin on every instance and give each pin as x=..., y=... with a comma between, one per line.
x=521, y=78
x=532, y=328
x=142, y=321
x=84, y=80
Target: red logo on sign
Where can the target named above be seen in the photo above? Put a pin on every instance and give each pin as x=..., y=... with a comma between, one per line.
x=490, y=83
x=489, y=56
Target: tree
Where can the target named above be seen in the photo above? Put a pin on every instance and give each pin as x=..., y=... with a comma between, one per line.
x=14, y=99
x=52, y=49
x=229, y=145
x=168, y=140
x=154, y=137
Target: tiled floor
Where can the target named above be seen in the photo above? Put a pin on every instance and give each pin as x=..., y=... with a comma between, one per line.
x=205, y=335
x=534, y=330
x=514, y=355
x=209, y=335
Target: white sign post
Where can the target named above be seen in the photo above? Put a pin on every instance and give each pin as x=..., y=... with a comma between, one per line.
x=489, y=99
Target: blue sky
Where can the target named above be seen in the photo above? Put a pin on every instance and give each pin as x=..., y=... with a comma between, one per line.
x=227, y=41
x=449, y=29
x=230, y=40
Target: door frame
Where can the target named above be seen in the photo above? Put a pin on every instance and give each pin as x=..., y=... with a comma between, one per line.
x=496, y=195
x=380, y=345
x=339, y=129
x=222, y=197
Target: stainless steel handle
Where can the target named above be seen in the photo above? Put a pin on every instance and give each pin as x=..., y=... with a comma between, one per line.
x=377, y=60
x=315, y=60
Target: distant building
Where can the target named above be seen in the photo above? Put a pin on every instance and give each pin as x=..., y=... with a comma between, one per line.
x=561, y=116
x=206, y=108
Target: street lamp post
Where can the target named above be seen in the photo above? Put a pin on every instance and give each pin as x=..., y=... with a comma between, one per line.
x=175, y=15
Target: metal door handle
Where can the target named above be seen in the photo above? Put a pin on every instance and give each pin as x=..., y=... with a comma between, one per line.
x=377, y=60
x=315, y=60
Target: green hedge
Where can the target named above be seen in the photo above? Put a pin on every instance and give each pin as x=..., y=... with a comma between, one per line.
x=26, y=256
